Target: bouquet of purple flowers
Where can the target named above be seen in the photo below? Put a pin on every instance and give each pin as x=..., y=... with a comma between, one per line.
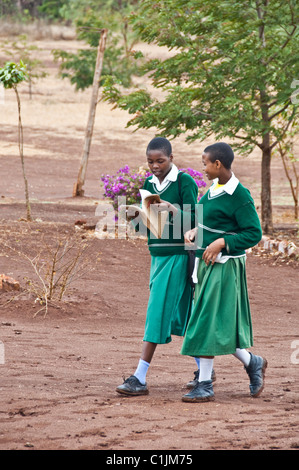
x=127, y=182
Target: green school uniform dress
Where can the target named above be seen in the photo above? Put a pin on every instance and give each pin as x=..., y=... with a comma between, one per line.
x=170, y=299
x=220, y=320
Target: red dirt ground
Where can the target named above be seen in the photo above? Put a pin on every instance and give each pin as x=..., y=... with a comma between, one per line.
x=58, y=379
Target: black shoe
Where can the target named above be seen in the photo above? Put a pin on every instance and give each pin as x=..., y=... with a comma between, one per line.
x=132, y=386
x=256, y=373
x=193, y=382
x=203, y=391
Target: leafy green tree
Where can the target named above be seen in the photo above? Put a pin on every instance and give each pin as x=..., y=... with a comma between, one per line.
x=11, y=75
x=54, y=9
x=228, y=74
x=90, y=18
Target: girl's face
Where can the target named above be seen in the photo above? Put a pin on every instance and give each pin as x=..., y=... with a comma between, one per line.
x=159, y=163
x=211, y=169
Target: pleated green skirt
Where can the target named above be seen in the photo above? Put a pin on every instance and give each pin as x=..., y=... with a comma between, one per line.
x=220, y=320
x=170, y=299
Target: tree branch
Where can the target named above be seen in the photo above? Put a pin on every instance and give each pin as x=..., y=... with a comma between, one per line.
x=279, y=111
x=284, y=131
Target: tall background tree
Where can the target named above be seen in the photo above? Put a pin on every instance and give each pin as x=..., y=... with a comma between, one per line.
x=229, y=75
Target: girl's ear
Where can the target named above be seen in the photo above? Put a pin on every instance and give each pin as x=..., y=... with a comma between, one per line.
x=218, y=164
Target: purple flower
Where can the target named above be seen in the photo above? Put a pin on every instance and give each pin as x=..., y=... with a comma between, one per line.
x=127, y=183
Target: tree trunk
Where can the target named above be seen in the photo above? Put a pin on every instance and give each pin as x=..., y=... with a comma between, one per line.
x=293, y=186
x=266, y=201
x=78, y=187
x=20, y=140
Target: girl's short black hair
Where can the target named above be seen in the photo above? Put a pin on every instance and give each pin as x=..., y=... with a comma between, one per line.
x=160, y=143
x=222, y=152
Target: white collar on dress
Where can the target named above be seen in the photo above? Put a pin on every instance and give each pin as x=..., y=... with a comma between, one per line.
x=229, y=187
x=171, y=176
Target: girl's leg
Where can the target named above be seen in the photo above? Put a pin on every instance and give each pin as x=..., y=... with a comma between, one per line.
x=197, y=360
x=203, y=390
x=206, y=367
x=243, y=356
x=255, y=367
x=148, y=350
x=136, y=383
x=193, y=382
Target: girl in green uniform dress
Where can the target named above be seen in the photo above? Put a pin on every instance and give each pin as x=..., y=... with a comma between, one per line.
x=220, y=322
x=171, y=295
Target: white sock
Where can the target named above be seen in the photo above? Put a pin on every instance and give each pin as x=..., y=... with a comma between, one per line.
x=206, y=367
x=197, y=360
x=243, y=356
x=141, y=371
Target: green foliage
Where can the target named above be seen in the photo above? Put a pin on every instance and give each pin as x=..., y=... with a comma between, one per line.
x=119, y=61
x=54, y=9
x=20, y=10
x=72, y=10
x=7, y=7
x=12, y=74
x=229, y=71
x=79, y=67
